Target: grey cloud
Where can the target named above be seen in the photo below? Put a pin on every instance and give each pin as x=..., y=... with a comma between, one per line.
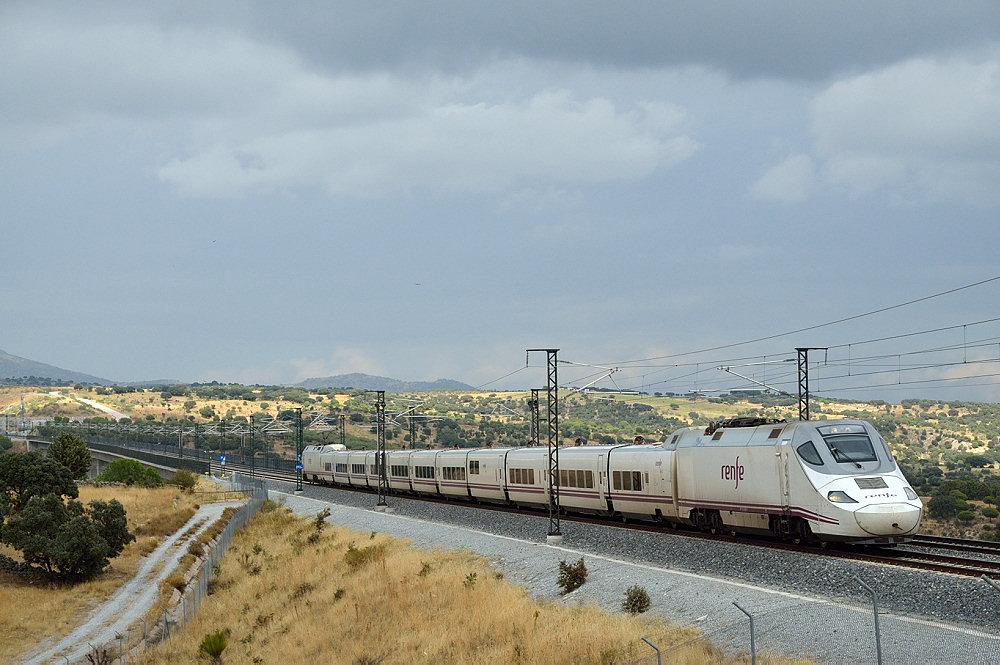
x=781, y=38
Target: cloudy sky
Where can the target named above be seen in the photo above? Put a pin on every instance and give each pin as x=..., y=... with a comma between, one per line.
x=264, y=192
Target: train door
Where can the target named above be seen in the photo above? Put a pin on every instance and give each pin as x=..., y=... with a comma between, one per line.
x=782, y=455
x=602, y=467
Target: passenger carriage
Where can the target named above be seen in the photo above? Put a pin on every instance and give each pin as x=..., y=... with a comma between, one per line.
x=639, y=481
x=317, y=462
x=487, y=473
x=583, y=477
x=452, y=471
x=339, y=460
x=423, y=472
x=398, y=470
x=527, y=476
x=357, y=471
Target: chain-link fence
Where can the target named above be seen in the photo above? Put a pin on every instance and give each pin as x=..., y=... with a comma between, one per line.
x=170, y=619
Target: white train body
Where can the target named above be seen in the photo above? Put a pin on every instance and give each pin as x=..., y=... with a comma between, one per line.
x=815, y=480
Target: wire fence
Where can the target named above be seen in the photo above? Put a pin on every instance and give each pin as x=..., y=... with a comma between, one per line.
x=830, y=633
x=170, y=619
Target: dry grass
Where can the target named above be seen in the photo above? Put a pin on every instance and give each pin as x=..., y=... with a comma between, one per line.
x=349, y=598
x=36, y=609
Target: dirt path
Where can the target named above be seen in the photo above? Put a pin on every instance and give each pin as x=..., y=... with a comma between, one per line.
x=132, y=600
x=117, y=415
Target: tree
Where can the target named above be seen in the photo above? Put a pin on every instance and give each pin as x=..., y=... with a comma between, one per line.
x=5, y=443
x=70, y=451
x=67, y=539
x=942, y=506
x=25, y=475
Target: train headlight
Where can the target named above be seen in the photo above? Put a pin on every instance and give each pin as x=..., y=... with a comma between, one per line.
x=910, y=494
x=839, y=497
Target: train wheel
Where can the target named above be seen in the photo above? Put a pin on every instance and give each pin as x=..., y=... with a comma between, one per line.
x=715, y=522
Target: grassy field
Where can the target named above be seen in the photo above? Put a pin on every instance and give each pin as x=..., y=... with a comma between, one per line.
x=283, y=594
x=35, y=610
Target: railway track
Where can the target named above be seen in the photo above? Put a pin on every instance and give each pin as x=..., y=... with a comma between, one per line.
x=924, y=552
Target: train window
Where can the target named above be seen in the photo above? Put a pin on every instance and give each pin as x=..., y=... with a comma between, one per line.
x=522, y=476
x=589, y=479
x=474, y=466
x=358, y=469
x=637, y=481
x=616, y=480
x=341, y=468
x=453, y=473
x=775, y=433
x=850, y=448
x=718, y=435
x=808, y=452
x=327, y=466
x=423, y=472
x=398, y=470
x=371, y=470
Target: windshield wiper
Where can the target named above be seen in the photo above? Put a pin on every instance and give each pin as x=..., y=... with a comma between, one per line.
x=838, y=453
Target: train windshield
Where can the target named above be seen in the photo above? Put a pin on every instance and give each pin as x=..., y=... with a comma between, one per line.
x=849, y=444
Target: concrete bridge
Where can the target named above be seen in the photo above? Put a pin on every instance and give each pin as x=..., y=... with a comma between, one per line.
x=99, y=460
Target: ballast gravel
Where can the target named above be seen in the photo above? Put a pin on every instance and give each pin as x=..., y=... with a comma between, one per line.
x=801, y=605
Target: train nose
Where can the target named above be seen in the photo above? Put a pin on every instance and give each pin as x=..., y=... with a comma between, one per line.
x=888, y=519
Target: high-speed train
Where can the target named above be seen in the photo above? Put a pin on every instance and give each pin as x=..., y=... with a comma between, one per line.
x=831, y=480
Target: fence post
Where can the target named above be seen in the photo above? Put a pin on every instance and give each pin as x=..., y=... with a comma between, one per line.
x=656, y=648
x=878, y=633
x=753, y=644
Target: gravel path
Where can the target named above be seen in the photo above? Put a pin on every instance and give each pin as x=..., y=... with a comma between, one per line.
x=802, y=605
x=133, y=599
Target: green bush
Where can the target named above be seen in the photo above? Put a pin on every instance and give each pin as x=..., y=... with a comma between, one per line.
x=990, y=512
x=5, y=443
x=571, y=575
x=213, y=645
x=130, y=472
x=636, y=600
x=966, y=515
x=184, y=479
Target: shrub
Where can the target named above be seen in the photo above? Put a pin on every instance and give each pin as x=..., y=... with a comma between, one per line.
x=990, y=512
x=213, y=645
x=5, y=443
x=130, y=472
x=184, y=479
x=470, y=581
x=571, y=575
x=636, y=600
x=966, y=515
x=356, y=558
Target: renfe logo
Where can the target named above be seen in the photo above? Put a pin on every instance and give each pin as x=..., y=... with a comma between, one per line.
x=733, y=472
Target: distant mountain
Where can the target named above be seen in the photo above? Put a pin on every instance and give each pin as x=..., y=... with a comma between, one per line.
x=13, y=367
x=368, y=382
